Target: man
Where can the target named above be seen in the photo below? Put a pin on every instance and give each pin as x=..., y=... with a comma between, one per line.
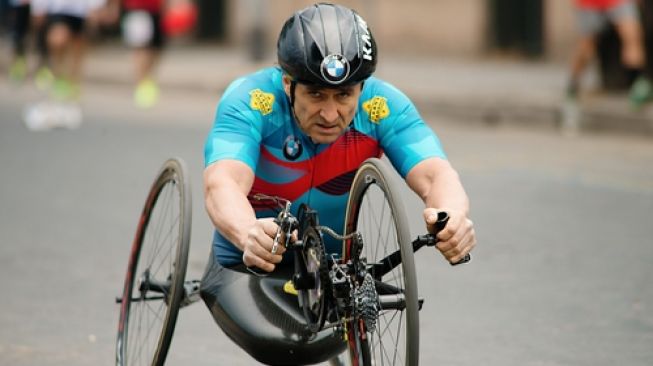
x=64, y=23
x=272, y=126
x=142, y=31
x=19, y=13
x=300, y=131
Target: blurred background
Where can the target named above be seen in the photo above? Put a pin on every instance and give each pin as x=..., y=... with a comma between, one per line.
x=561, y=194
x=493, y=60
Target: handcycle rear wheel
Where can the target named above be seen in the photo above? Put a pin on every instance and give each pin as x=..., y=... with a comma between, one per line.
x=375, y=210
x=154, y=283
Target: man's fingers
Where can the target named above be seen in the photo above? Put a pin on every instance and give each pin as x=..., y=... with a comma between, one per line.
x=265, y=253
x=254, y=261
x=430, y=215
x=456, y=248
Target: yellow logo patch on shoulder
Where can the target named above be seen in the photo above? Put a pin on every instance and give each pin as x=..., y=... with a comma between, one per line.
x=376, y=108
x=261, y=101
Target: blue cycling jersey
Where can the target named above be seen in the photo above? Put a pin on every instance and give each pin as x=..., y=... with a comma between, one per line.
x=254, y=124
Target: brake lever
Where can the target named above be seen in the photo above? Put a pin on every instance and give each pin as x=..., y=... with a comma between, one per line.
x=284, y=226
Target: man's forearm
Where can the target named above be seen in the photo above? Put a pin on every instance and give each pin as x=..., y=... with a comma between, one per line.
x=226, y=199
x=447, y=192
x=230, y=213
x=438, y=185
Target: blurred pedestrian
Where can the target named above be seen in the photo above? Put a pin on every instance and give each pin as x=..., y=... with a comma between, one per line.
x=19, y=16
x=64, y=24
x=146, y=24
x=592, y=18
x=21, y=26
x=141, y=30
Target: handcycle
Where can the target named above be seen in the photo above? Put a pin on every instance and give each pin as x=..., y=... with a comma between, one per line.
x=363, y=300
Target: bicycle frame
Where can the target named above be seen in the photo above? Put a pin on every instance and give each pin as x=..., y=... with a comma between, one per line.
x=345, y=278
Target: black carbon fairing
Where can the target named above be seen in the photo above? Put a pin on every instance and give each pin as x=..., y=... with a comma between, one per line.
x=262, y=319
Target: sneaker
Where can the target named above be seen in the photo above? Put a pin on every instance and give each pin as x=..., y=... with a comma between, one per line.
x=146, y=94
x=570, y=117
x=69, y=115
x=64, y=90
x=572, y=90
x=48, y=115
x=18, y=70
x=40, y=116
x=641, y=92
x=44, y=78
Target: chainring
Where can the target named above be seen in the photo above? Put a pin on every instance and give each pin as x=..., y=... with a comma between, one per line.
x=313, y=300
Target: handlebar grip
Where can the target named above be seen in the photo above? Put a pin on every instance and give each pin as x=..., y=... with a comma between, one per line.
x=440, y=223
x=466, y=258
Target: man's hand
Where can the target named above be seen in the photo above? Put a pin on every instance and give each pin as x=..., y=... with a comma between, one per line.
x=457, y=238
x=257, y=249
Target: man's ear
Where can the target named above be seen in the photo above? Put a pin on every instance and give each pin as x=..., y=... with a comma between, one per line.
x=285, y=79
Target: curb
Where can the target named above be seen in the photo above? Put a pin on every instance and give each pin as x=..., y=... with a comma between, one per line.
x=470, y=91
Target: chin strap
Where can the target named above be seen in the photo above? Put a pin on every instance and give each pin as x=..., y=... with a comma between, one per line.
x=293, y=85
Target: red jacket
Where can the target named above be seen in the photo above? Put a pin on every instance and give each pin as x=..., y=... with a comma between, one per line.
x=598, y=4
x=149, y=5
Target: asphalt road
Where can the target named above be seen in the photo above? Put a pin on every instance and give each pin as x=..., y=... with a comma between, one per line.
x=561, y=276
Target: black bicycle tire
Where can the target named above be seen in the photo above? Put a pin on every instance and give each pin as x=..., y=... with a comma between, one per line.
x=173, y=171
x=376, y=171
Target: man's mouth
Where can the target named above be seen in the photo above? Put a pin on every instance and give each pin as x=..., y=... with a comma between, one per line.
x=326, y=127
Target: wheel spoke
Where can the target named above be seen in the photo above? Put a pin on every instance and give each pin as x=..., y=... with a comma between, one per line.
x=160, y=258
x=381, y=221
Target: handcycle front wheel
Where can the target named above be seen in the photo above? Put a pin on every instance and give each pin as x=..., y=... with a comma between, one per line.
x=154, y=283
x=375, y=210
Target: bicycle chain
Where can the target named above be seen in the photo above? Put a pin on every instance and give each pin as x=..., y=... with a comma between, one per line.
x=333, y=234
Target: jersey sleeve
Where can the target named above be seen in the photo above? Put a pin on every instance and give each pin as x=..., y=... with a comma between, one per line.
x=236, y=132
x=404, y=136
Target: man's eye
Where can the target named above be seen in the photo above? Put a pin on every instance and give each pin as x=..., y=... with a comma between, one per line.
x=315, y=94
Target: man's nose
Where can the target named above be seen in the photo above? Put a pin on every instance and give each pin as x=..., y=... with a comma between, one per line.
x=329, y=111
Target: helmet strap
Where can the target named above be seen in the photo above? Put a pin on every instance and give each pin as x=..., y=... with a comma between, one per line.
x=293, y=85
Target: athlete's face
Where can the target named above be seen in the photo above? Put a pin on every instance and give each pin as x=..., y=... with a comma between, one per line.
x=324, y=113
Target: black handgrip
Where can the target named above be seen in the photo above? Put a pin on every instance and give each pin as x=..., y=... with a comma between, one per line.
x=440, y=223
x=466, y=258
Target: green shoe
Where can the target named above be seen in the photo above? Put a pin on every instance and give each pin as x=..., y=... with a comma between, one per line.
x=641, y=92
x=18, y=70
x=64, y=90
x=44, y=78
x=146, y=94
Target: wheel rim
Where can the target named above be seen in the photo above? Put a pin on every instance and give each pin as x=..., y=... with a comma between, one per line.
x=381, y=221
x=378, y=229
x=147, y=328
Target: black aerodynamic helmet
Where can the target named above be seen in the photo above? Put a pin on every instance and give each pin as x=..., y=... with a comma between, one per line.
x=327, y=45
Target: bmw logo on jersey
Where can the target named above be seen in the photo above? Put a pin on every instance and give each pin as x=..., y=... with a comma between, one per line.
x=335, y=68
x=292, y=148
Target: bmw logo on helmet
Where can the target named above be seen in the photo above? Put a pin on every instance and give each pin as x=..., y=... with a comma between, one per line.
x=335, y=68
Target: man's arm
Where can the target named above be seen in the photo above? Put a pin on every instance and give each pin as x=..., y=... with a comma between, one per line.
x=439, y=186
x=226, y=185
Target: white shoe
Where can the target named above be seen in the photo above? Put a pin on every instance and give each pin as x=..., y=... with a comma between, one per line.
x=40, y=116
x=45, y=116
x=570, y=118
x=69, y=115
